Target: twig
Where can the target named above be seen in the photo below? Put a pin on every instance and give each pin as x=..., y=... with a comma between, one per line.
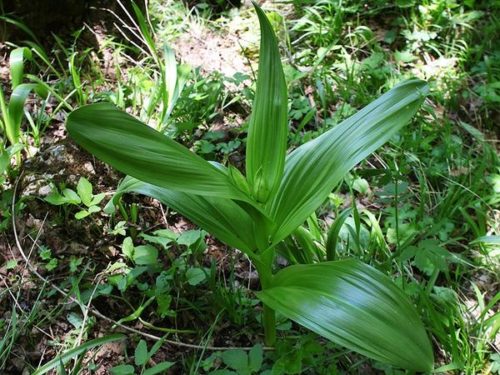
x=93, y=310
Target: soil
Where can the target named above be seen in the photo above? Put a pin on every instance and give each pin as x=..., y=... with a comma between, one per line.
x=59, y=160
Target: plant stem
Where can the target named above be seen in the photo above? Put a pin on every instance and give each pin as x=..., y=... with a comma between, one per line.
x=269, y=323
x=265, y=270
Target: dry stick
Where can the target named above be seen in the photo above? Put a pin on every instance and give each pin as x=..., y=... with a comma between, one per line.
x=124, y=24
x=164, y=215
x=93, y=310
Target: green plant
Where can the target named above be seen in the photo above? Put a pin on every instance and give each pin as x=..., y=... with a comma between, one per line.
x=202, y=99
x=13, y=110
x=47, y=257
x=83, y=195
x=238, y=360
x=60, y=360
x=346, y=300
x=172, y=77
x=13, y=327
x=142, y=357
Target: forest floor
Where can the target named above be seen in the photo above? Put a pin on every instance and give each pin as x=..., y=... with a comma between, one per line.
x=424, y=207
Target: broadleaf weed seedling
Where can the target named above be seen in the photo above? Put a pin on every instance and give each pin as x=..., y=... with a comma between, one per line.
x=346, y=301
x=83, y=198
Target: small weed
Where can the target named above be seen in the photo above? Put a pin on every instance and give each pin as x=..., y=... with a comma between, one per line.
x=83, y=195
x=142, y=358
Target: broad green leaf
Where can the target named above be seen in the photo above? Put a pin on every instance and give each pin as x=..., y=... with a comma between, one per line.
x=96, y=199
x=94, y=209
x=223, y=218
x=268, y=129
x=189, y=237
x=141, y=354
x=4, y=160
x=316, y=167
x=82, y=214
x=56, y=199
x=195, y=276
x=237, y=359
x=159, y=368
x=128, y=248
x=162, y=237
x=145, y=255
x=75, y=319
x=488, y=240
x=84, y=190
x=75, y=75
x=71, y=196
x=306, y=242
x=134, y=148
x=183, y=72
x=11, y=264
x=16, y=109
x=255, y=357
x=333, y=234
x=122, y=370
x=353, y=305
x=156, y=346
x=16, y=62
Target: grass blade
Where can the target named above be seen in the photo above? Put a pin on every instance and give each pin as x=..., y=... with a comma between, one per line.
x=21, y=26
x=146, y=34
x=65, y=357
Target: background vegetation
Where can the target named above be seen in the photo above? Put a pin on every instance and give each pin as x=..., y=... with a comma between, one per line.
x=423, y=209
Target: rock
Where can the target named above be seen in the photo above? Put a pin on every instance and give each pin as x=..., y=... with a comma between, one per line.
x=73, y=179
x=89, y=167
x=44, y=190
x=36, y=183
x=58, y=154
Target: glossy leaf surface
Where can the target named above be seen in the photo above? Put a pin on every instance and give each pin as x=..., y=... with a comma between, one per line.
x=17, y=101
x=16, y=62
x=347, y=302
x=356, y=306
x=315, y=168
x=268, y=130
x=135, y=149
x=224, y=218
